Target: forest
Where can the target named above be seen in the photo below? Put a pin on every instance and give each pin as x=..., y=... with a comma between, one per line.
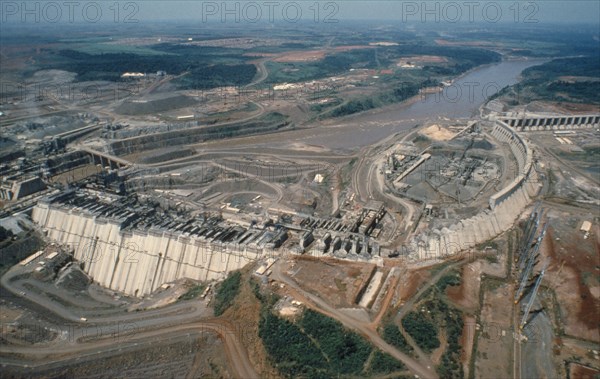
x=316, y=346
x=403, y=92
x=202, y=70
x=226, y=292
x=562, y=80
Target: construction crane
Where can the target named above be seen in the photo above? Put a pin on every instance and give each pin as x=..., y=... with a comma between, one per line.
x=538, y=282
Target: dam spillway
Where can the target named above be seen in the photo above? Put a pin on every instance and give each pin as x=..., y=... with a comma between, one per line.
x=534, y=123
x=132, y=249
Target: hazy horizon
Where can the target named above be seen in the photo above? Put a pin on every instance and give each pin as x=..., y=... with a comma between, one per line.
x=410, y=13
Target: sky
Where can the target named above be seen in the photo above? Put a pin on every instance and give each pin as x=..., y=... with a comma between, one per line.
x=507, y=11
x=443, y=12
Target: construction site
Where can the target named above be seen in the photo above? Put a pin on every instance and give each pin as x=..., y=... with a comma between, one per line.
x=202, y=219
x=233, y=232
x=424, y=222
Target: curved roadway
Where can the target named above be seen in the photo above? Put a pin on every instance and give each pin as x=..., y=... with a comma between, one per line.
x=142, y=330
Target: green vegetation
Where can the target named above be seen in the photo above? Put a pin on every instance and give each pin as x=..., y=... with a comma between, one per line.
x=317, y=346
x=450, y=279
x=193, y=292
x=423, y=326
x=226, y=292
x=383, y=363
x=393, y=336
x=405, y=91
x=422, y=329
x=220, y=75
x=203, y=68
x=450, y=366
x=12, y=252
x=584, y=91
x=256, y=289
x=293, y=352
x=563, y=80
x=331, y=64
x=460, y=59
x=437, y=268
x=353, y=106
x=540, y=41
x=112, y=48
x=318, y=108
x=345, y=350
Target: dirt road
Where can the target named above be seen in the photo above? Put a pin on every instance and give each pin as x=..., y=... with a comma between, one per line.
x=50, y=356
x=142, y=330
x=351, y=323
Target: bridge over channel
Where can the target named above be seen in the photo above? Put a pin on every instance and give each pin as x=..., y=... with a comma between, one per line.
x=105, y=159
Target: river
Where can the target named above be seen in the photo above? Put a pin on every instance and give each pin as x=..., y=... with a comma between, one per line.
x=461, y=99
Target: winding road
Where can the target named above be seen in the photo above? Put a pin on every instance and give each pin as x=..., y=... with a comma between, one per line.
x=138, y=331
x=53, y=356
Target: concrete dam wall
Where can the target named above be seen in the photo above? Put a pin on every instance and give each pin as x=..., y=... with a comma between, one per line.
x=137, y=262
x=505, y=207
x=534, y=123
